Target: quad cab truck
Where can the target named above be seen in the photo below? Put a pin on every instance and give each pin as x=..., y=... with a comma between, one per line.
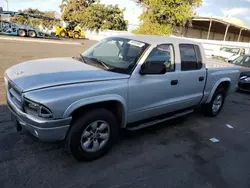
x=124, y=82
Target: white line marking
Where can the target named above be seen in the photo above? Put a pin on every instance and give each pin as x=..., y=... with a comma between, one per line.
x=214, y=140
x=229, y=126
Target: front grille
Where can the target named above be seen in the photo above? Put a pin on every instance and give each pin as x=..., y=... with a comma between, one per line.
x=15, y=96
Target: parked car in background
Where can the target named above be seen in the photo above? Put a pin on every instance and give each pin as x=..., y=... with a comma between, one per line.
x=244, y=63
x=229, y=53
x=124, y=82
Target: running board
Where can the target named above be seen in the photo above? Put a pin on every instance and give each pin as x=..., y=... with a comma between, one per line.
x=148, y=124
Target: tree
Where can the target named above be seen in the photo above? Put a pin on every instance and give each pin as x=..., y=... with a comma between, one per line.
x=99, y=16
x=92, y=15
x=72, y=10
x=114, y=18
x=161, y=15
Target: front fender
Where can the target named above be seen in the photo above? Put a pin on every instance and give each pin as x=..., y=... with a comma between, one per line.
x=215, y=87
x=92, y=100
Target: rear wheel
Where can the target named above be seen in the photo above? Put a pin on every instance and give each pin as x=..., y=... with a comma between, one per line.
x=213, y=108
x=21, y=33
x=92, y=135
x=32, y=33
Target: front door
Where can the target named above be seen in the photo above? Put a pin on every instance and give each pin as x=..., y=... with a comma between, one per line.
x=152, y=95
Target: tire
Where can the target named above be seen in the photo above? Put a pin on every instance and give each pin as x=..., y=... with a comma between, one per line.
x=208, y=109
x=76, y=35
x=22, y=33
x=63, y=34
x=32, y=34
x=81, y=132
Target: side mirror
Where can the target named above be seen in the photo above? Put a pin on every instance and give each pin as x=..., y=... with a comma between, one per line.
x=230, y=61
x=153, y=68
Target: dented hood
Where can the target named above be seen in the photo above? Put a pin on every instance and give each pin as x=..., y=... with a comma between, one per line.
x=43, y=73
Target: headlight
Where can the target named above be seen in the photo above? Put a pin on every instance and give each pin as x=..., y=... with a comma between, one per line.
x=33, y=108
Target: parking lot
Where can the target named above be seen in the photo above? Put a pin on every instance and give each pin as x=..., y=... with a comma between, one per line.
x=172, y=154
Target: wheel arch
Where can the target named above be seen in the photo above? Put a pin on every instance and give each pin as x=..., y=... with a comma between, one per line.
x=115, y=103
x=222, y=83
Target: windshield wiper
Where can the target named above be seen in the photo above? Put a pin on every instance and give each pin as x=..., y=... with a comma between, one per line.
x=94, y=60
x=81, y=56
x=100, y=62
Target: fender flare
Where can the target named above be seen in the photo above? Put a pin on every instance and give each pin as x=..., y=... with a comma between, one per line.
x=215, y=87
x=93, y=100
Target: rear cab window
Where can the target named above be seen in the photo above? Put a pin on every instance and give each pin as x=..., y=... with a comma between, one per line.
x=190, y=57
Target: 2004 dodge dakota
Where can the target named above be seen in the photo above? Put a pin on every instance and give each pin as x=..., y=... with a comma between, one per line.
x=126, y=82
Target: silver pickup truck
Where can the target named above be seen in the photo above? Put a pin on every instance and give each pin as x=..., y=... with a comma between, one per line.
x=127, y=82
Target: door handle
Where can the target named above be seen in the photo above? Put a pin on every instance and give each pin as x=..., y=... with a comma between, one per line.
x=174, y=82
x=201, y=78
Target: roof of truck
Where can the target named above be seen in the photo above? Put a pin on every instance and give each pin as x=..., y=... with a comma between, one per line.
x=155, y=40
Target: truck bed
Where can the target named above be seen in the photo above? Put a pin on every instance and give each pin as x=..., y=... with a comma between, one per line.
x=215, y=63
x=218, y=71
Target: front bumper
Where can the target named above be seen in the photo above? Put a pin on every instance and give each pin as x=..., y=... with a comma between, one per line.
x=45, y=130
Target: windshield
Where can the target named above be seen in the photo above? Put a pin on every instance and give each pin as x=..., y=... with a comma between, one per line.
x=231, y=50
x=242, y=61
x=118, y=54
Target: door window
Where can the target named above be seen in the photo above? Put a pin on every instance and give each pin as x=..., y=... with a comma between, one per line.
x=190, y=57
x=163, y=54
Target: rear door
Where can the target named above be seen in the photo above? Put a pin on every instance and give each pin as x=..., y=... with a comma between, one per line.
x=192, y=75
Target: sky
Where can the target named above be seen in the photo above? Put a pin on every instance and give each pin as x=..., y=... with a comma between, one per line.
x=232, y=8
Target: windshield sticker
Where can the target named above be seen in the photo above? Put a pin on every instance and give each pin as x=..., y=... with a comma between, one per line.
x=136, y=43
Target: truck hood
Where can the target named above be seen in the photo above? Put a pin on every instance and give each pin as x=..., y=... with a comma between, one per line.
x=43, y=73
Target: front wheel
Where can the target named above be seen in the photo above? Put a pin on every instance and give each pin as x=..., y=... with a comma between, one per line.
x=213, y=108
x=21, y=33
x=92, y=135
